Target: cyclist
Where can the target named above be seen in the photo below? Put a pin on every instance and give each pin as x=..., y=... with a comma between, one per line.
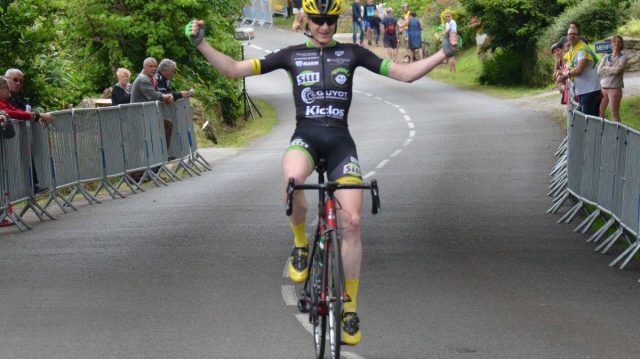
x=322, y=71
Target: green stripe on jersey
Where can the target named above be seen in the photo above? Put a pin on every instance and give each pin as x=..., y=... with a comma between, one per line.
x=385, y=66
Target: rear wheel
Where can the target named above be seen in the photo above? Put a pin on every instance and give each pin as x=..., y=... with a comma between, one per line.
x=318, y=313
x=335, y=295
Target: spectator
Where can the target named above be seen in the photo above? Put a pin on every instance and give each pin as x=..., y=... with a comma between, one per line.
x=19, y=114
x=611, y=72
x=560, y=67
x=405, y=11
x=121, y=91
x=414, y=32
x=356, y=17
x=300, y=18
x=390, y=37
x=6, y=126
x=16, y=82
x=145, y=86
x=450, y=38
x=582, y=68
x=166, y=70
x=375, y=26
x=367, y=20
x=482, y=39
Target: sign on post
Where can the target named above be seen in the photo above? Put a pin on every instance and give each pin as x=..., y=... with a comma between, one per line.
x=603, y=47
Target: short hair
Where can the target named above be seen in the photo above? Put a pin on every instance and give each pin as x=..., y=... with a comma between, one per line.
x=12, y=71
x=574, y=23
x=619, y=38
x=148, y=60
x=122, y=70
x=166, y=64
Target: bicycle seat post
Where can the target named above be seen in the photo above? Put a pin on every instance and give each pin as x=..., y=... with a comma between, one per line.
x=321, y=168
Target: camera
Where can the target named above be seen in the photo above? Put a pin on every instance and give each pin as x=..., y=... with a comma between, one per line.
x=191, y=92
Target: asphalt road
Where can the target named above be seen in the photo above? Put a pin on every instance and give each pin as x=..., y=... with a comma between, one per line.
x=463, y=262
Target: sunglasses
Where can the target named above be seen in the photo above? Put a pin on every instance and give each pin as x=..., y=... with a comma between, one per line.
x=17, y=80
x=321, y=20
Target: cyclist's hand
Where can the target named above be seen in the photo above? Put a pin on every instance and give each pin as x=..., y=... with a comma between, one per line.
x=194, y=31
x=448, y=48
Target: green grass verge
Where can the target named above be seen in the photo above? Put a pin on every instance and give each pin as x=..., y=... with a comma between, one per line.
x=245, y=131
x=629, y=111
x=468, y=69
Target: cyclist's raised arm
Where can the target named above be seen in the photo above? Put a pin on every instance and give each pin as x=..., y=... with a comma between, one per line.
x=415, y=70
x=227, y=66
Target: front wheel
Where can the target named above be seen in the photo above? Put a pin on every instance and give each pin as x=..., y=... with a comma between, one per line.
x=335, y=295
x=318, y=315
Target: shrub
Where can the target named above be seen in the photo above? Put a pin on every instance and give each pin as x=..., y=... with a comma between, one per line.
x=631, y=28
x=504, y=68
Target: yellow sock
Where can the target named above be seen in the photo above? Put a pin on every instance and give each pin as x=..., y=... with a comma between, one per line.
x=299, y=234
x=352, y=290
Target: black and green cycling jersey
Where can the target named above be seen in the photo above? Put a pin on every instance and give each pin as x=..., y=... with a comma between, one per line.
x=322, y=78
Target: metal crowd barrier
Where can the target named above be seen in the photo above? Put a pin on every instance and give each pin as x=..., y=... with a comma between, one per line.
x=88, y=151
x=260, y=13
x=599, y=166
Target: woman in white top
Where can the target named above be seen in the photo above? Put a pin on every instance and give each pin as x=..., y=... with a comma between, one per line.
x=611, y=71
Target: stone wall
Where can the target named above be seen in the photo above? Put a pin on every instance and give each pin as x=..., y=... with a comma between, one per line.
x=632, y=49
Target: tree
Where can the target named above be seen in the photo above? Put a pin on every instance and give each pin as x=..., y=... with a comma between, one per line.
x=515, y=26
x=122, y=33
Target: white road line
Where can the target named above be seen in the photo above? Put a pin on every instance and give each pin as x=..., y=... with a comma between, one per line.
x=397, y=152
x=350, y=355
x=372, y=173
x=412, y=133
x=407, y=118
x=410, y=124
x=382, y=164
x=378, y=98
x=289, y=294
x=256, y=47
x=304, y=320
x=402, y=111
x=407, y=142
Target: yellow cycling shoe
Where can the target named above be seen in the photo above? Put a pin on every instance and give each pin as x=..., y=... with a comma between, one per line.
x=298, y=270
x=351, y=333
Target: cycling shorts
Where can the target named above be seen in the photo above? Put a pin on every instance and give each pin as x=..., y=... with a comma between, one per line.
x=332, y=143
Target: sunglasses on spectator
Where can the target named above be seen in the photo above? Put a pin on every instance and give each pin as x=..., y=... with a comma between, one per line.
x=17, y=80
x=321, y=20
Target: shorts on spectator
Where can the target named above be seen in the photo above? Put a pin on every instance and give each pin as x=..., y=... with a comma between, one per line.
x=390, y=42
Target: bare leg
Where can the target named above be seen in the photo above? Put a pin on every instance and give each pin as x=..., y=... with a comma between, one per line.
x=296, y=165
x=615, y=97
x=349, y=220
x=604, y=103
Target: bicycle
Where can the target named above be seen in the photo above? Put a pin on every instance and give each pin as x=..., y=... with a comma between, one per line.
x=324, y=290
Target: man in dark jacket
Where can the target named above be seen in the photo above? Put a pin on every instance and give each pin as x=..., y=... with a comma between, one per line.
x=356, y=12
